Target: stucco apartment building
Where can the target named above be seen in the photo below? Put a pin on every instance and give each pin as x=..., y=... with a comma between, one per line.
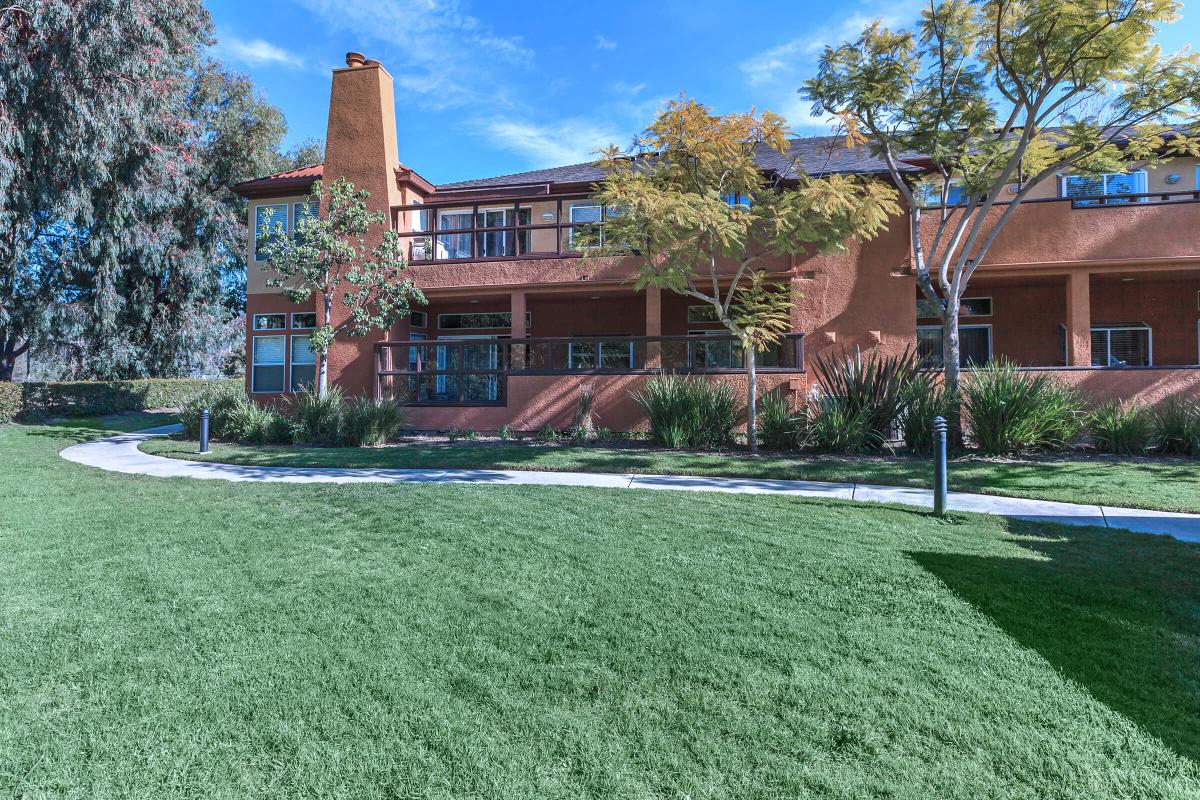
x=1105, y=292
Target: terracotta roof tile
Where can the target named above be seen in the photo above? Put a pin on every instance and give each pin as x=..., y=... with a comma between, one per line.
x=292, y=179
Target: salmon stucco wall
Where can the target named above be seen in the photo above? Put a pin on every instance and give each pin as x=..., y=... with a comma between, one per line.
x=1146, y=387
x=535, y=401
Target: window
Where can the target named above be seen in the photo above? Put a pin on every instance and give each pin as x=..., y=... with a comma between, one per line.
x=270, y=322
x=1121, y=346
x=701, y=314
x=305, y=320
x=301, y=213
x=501, y=243
x=974, y=345
x=417, y=319
x=266, y=220
x=967, y=307
x=724, y=354
x=1110, y=184
x=739, y=201
x=929, y=194
x=589, y=215
x=304, y=364
x=267, y=365
x=492, y=319
x=601, y=355
x=414, y=352
x=456, y=245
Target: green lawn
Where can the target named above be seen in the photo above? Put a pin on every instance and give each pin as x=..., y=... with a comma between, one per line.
x=175, y=638
x=1167, y=484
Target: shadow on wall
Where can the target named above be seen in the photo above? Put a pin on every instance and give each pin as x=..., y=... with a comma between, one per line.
x=1130, y=636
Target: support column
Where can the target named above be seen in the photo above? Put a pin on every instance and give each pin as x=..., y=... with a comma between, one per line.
x=653, y=326
x=517, y=349
x=1079, y=320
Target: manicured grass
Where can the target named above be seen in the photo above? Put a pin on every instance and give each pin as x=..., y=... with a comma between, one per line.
x=175, y=638
x=1166, y=484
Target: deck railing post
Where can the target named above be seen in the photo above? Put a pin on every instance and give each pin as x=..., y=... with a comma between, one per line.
x=939, y=466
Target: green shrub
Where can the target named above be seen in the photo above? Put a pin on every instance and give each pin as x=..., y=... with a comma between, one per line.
x=688, y=411
x=605, y=434
x=367, y=422
x=220, y=398
x=1124, y=430
x=834, y=427
x=10, y=401
x=316, y=420
x=778, y=424
x=873, y=390
x=507, y=431
x=246, y=421
x=579, y=434
x=585, y=404
x=927, y=399
x=548, y=434
x=88, y=398
x=1176, y=427
x=1010, y=411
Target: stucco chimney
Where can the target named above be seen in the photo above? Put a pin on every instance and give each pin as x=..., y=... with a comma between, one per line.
x=360, y=141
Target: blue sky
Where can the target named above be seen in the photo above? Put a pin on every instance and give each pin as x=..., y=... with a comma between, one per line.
x=487, y=88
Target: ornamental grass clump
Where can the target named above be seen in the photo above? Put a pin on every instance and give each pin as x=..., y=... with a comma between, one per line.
x=834, y=427
x=247, y=421
x=1011, y=411
x=688, y=412
x=872, y=390
x=1121, y=429
x=927, y=398
x=1176, y=427
x=779, y=425
x=367, y=422
x=316, y=419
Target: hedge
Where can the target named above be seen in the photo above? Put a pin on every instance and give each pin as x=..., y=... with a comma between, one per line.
x=88, y=398
x=10, y=401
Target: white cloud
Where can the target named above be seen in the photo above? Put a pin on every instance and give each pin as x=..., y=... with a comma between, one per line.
x=627, y=89
x=551, y=144
x=604, y=43
x=778, y=72
x=256, y=52
x=435, y=49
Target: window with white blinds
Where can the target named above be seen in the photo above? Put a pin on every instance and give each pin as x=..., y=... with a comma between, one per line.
x=304, y=364
x=268, y=363
x=1122, y=346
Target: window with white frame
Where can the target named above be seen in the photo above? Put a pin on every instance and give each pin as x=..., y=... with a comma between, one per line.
x=270, y=322
x=304, y=320
x=974, y=345
x=268, y=367
x=267, y=221
x=1122, y=346
x=967, y=307
x=588, y=216
x=929, y=193
x=302, y=213
x=497, y=244
x=1108, y=185
x=304, y=364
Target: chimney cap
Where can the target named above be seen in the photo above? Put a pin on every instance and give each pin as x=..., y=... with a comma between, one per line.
x=355, y=59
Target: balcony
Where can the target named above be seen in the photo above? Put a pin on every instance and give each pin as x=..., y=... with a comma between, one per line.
x=497, y=230
x=473, y=372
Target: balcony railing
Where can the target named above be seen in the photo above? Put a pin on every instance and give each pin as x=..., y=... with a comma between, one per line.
x=519, y=228
x=475, y=371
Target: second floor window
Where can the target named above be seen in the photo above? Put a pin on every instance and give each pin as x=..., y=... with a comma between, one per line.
x=266, y=220
x=929, y=195
x=1109, y=185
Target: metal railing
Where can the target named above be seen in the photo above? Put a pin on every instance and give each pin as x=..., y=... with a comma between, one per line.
x=475, y=371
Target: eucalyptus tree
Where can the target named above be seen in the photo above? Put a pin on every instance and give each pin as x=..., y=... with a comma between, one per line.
x=996, y=97
x=693, y=208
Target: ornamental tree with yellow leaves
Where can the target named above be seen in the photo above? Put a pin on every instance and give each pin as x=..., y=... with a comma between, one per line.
x=698, y=214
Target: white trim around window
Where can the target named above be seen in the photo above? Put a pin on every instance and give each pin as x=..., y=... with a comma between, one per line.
x=1139, y=185
x=1108, y=330
x=296, y=326
x=307, y=359
x=281, y=214
x=262, y=317
x=268, y=353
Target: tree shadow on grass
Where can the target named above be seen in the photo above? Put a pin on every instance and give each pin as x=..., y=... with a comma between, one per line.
x=1119, y=613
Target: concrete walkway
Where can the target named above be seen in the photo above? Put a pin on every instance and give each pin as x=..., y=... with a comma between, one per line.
x=121, y=454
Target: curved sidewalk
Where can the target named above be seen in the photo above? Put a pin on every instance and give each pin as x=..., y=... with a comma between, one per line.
x=121, y=454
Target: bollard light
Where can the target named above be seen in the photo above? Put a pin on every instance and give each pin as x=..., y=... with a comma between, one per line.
x=939, y=466
x=204, y=430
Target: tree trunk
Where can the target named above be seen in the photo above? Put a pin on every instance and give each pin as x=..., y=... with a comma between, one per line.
x=752, y=398
x=322, y=374
x=952, y=372
x=8, y=357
